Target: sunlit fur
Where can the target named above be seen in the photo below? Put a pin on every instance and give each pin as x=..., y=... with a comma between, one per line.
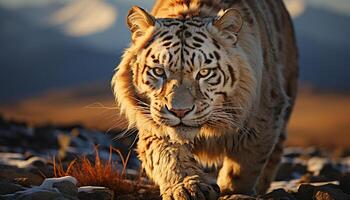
x=237, y=112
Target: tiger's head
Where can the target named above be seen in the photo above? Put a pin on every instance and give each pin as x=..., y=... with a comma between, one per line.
x=184, y=77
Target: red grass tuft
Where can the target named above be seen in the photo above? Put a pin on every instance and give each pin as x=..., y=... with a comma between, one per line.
x=99, y=173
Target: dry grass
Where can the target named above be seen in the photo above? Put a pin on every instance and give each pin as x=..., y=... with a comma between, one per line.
x=99, y=173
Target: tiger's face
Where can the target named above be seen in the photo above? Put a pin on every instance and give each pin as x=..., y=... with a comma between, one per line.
x=184, y=76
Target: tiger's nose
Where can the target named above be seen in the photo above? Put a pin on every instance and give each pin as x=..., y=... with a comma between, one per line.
x=180, y=113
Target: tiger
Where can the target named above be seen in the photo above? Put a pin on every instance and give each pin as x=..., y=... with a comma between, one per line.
x=209, y=83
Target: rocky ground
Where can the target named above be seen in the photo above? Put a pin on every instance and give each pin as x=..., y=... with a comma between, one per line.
x=33, y=159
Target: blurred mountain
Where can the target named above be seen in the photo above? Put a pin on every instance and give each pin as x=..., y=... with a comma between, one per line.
x=35, y=58
x=324, y=49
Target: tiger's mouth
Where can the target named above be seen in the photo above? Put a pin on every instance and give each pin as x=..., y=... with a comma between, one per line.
x=183, y=128
x=183, y=125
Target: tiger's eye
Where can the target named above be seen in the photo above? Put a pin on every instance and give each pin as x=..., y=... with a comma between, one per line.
x=158, y=71
x=204, y=72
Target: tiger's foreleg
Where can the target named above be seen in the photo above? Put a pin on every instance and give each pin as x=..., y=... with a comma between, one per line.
x=173, y=167
x=243, y=166
x=271, y=168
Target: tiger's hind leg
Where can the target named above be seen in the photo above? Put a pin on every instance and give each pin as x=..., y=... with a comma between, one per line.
x=272, y=165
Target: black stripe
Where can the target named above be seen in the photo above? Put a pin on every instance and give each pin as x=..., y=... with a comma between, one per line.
x=145, y=82
x=170, y=57
x=223, y=73
x=187, y=52
x=197, y=39
x=175, y=44
x=216, y=43
x=170, y=65
x=188, y=62
x=204, y=55
x=187, y=34
x=144, y=68
x=204, y=108
x=187, y=45
x=148, y=52
x=192, y=58
x=164, y=33
x=178, y=33
x=194, y=24
x=137, y=74
x=169, y=37
x=176, y=51
x=217, y=56
x=230, y=69
x=197, y=45
x=167, y=44
x=213, y=75
x=171, y=24
x=202, y=34
x=205, y=94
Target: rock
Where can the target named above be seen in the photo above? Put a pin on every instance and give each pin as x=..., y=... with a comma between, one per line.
x=142, y=194
x=37, y=162
x=341, y=153
x=131, y=197
x=309, y=178
x=49, y=182
x=46, y=170
x=316, y=164
x=279, y=194
x=305, y=192
x=291, y=185
x=33, y=164
x=94, y=192
x=36, y=194
x=51, y=189
x=66, y=187
x=3, y=123
x=6, y=187
x=330, y=194
x=25, y=182
x=323, y=192
x=288, y=171
x=13, y=173
x=344, y=183
x=321, y=195
x=330, y=171
x=313, y=152
x=292, y=152
x=47, y=134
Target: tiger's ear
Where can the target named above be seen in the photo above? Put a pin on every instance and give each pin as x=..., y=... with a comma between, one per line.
x=139, y=21
x=229, y=20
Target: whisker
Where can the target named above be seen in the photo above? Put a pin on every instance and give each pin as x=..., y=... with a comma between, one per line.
x=100, y=105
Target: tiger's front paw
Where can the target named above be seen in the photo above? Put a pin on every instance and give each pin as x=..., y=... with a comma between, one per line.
x=191, y=188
